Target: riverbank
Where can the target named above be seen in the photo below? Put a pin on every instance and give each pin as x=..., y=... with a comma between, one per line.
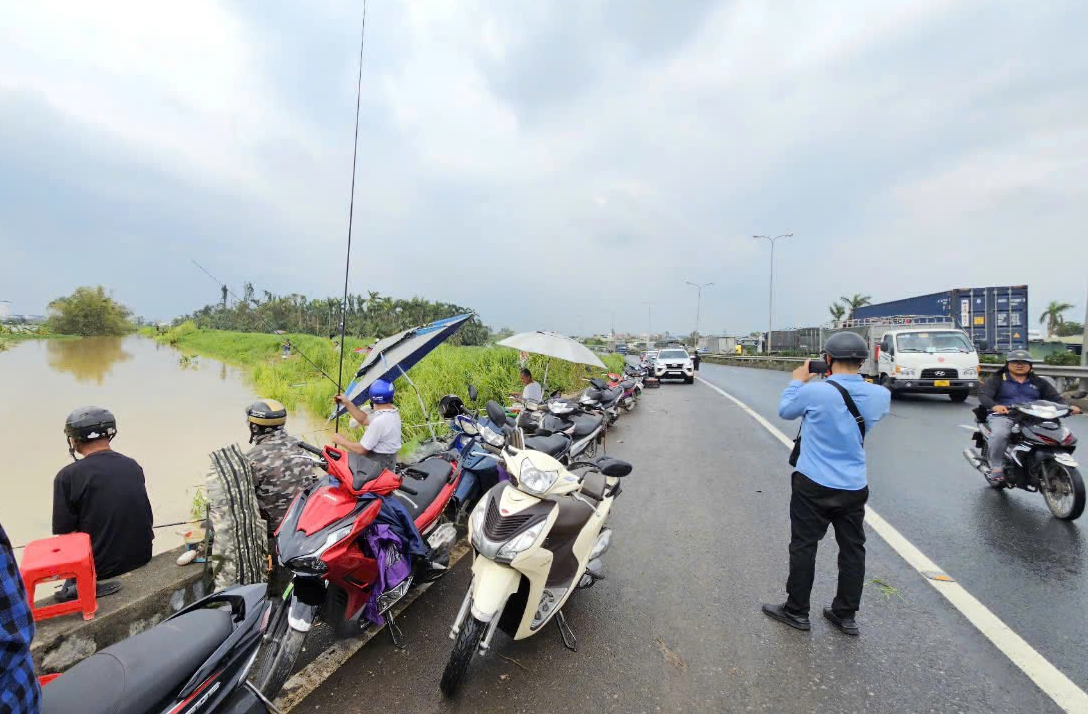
x=298, y=381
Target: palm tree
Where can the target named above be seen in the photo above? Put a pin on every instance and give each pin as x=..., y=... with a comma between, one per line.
x=853, y=303
x=1053, y=316
x=837, y=310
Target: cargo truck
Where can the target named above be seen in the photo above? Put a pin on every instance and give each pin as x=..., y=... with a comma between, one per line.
x=918, y=354
x=995, y=318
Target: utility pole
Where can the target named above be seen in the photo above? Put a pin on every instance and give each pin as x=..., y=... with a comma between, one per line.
x=649, y=324
x=1084, y=347
x=698, y=306
x=770, y=309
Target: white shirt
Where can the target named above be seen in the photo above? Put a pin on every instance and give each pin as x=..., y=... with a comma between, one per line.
x=382, y=435
x=533, y=392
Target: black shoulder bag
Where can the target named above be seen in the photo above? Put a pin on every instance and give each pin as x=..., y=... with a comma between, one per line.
x=851, y=407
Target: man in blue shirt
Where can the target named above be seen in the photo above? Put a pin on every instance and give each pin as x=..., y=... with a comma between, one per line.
x=829, y=485
x=19, y=691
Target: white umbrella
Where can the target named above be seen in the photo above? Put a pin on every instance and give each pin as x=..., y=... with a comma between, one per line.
x=552, y=344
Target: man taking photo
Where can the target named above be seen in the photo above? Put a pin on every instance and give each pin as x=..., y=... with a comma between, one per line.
x=830, y=485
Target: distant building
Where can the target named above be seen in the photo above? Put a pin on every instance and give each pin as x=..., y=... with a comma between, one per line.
x=5, y=309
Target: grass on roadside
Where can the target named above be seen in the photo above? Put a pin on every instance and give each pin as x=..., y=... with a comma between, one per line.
x=298, y=380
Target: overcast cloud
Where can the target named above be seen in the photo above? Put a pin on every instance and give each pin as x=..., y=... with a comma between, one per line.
x=548, y=164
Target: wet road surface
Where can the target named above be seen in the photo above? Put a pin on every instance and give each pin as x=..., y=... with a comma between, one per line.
x=1005, y=547
x=700, y=541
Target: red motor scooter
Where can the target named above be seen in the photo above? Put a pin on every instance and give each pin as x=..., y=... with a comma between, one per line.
x=321, y=542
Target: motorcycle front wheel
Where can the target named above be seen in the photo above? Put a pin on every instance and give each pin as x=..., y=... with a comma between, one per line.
x=284, y=645
x=1063, y=491
x=463, y=650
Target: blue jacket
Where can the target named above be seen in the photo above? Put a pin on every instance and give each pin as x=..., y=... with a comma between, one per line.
x=832, y=453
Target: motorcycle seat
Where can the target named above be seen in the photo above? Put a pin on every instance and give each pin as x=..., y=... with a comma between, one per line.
x=586, y=425
x=553, y=445
x=436, y=474
x=136, y=675
x=627, y=384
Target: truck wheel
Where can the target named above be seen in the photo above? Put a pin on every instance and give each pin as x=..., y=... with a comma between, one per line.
x=959, y=396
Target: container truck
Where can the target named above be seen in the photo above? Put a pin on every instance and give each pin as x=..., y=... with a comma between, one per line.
x=995, y=319
x=920, y=354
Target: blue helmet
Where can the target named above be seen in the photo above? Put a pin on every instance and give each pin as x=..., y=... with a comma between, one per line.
x=381, y=392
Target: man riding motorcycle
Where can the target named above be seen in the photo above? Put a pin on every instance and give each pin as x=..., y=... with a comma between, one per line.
x=1016, y=383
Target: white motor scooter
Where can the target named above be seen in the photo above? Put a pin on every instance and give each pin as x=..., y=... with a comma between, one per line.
x=535, y=541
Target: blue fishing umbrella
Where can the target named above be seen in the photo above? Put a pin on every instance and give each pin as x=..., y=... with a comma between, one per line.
x=391, y=357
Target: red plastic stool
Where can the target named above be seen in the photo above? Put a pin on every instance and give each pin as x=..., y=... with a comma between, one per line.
x=58, y=558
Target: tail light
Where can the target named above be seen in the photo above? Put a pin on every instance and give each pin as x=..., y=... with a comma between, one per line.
x=1069, y=439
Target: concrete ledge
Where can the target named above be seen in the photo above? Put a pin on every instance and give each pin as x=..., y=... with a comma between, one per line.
x=147, y=596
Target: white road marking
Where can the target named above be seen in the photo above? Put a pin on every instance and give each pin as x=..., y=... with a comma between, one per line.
x=1046, y=676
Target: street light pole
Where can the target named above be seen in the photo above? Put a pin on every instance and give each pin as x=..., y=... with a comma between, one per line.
x=698, y=307
x=649, y=323
x=1084, y=347
x=770, y=308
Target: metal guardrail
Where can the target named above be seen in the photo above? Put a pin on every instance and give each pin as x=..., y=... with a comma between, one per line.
x=1045, y=370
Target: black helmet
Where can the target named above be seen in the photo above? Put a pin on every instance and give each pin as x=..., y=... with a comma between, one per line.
x=90, y=424
x=1019, y=356
x=265, y=416
x=450, y=406
x=846, y=345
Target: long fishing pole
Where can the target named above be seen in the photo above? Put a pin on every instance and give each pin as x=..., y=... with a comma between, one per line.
x=268, y=325
x=351, y=206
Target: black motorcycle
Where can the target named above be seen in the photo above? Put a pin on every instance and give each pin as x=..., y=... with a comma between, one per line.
x=1038, y=457
x=197, y=660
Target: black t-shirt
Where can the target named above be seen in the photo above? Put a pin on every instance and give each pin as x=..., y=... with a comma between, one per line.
x=103, y=495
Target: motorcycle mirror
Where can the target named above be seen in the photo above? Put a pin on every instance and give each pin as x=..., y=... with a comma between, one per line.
x=615, y=467
x=473, y=393
x=495, y=412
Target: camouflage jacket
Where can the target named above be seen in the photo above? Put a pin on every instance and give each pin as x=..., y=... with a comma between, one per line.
x=280, y=470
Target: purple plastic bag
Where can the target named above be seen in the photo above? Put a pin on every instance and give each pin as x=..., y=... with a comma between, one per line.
x=385, y=546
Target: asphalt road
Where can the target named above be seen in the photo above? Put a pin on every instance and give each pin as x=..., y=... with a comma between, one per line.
x=701, y=533
x=1005, y=547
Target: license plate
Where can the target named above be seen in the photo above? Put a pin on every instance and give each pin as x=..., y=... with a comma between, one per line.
x=942, y=383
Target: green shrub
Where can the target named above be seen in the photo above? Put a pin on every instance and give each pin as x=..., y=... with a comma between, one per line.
x=1063, y=359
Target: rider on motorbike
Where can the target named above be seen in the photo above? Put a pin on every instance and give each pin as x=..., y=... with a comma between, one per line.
x=1014, y=384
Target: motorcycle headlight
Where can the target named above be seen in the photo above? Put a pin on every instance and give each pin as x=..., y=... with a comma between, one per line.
x=535, y=480
x=312, y=561
x=519, y=543
x=491, y=436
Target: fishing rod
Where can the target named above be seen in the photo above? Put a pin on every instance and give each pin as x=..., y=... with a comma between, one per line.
x=264, y=321
x=351, y=206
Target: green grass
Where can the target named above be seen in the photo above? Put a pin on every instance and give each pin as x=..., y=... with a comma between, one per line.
x=448, y=370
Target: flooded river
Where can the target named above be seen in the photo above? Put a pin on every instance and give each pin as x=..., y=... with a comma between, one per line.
x=171, y=413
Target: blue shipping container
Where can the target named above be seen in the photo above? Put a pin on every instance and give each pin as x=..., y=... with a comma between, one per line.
x=996, y=318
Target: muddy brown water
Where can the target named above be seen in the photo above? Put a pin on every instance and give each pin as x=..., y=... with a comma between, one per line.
x=171, y=413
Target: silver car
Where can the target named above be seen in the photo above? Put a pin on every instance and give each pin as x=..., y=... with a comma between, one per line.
x=674, y=363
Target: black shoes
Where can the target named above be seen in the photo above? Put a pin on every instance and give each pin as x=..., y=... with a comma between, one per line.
x=846, y=625
x=67, y=591
x=778, y=612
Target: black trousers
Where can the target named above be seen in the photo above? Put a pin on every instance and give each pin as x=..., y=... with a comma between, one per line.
x=812, y=508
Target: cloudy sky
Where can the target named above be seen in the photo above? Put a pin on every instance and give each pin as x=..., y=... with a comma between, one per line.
x=550, y=164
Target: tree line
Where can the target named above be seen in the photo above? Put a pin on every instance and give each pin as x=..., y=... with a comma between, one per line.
x=365, y=316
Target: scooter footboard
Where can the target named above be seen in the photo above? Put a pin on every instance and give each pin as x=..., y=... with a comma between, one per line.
x=492, y=586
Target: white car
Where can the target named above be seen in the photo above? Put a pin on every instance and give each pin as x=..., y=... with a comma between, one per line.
x=674, y=363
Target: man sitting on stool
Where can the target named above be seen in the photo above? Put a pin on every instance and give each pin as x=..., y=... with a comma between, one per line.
x=103, y=495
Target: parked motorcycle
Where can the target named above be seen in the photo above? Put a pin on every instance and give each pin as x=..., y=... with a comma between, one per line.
x=562, y=430
x=631, y=386
x=600, y=397
x=1038, y=457
x=536, y=540
x=196, y=660
x=323, y=539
